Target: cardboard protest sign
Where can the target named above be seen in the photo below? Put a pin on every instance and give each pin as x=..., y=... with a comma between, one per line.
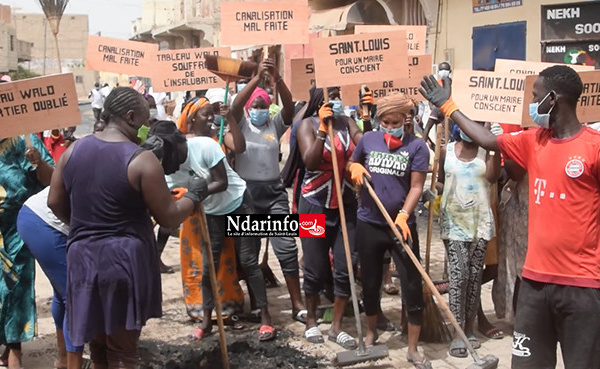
x=416, y=36
x=181, y=70
x=264, y=22
x=355, y=59
x=120, y=56
x=418, y=66
x=588, y=106
x=528, y=67
x=36, y=104
x=489, y=96
x=303, y=78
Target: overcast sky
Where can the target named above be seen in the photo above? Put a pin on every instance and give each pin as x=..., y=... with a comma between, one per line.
x=111, y=17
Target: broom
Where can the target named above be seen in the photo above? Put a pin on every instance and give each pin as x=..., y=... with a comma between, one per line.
x=434, y=328
x=487, y=362
x=362, y=353
x=228, y=69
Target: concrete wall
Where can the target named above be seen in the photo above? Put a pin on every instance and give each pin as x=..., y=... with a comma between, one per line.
x=9, y=47
x=72, y=39
x=458, y=20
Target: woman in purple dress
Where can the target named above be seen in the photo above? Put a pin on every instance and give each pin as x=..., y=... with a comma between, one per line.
x=107, y=188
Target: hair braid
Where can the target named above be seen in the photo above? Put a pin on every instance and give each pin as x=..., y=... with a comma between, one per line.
x=119, y=102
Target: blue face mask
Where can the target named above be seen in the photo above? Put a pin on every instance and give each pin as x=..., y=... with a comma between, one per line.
x=337, y=108
x=542, y=120
x=396, y=132
x=464, y=137
x=258, y=117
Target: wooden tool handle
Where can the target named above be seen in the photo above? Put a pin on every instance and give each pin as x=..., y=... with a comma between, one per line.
x=436, y=164
x=423, y=273
x=213, y=284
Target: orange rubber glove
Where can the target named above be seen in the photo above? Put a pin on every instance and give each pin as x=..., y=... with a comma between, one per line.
x=325, y=114
x=401, y=221
x=356, y=173
x=178, y=193
x=367, y=98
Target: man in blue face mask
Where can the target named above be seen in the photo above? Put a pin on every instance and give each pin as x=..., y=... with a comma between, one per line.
x=559, y=297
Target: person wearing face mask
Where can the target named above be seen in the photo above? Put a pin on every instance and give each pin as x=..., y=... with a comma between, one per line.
x=466, y=173
x=228, y=195
x=258, y=165
x=319, y=197
x=396, y=162
x=559, y=298
x=113, y=278
x=444, y=70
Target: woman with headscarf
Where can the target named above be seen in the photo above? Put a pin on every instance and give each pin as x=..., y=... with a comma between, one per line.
x=113, y=279
x=227, y=195
x=231, y=294
x=23, y=172
x=396, y=163
x=258, y=165
x=319, y=197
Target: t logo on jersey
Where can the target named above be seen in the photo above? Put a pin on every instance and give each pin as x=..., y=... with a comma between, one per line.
x=539, y=187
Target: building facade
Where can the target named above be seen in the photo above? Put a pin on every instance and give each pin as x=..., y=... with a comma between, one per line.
x=12, y=49
x=72, y=40
x=472, y=34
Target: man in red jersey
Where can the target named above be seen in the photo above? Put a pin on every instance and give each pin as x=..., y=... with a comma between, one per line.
x=559, y=299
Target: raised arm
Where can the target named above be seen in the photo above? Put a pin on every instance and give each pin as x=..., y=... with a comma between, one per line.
x=440, y=96
x=234, y=139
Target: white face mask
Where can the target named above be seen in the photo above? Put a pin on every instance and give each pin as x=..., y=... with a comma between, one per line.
x=444, y=73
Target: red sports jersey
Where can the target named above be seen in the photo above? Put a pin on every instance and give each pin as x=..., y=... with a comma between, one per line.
x=564, y=204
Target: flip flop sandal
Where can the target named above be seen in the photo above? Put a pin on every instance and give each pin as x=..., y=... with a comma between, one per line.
x=421, y=364
x=345, y=340
x=390, y=289
x=314, y=335
x=266, y=333
x=300, y=316
x=494, y=334
x=56, y=366
x=458, y=348
x=474, y=341
x=198, y=334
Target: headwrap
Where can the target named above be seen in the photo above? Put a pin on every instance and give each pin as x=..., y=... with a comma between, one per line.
x=394, y=103
x=215, y=95
x=162, y=141
x=189, y=110
x=258, y=92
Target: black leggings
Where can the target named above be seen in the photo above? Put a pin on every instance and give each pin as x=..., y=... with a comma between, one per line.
x=372, y=241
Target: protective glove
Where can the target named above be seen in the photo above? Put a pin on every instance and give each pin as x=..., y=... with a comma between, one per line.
x=325, y=115
x=178, y=193
x=439, y=96
x=197, y=189
x=432, y=91
x=366, y=98
x=356, y=173
x=496, y=129
x=429, y=195
x=401, y=222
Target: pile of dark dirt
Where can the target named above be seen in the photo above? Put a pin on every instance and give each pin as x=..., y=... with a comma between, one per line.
x=245, y=352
